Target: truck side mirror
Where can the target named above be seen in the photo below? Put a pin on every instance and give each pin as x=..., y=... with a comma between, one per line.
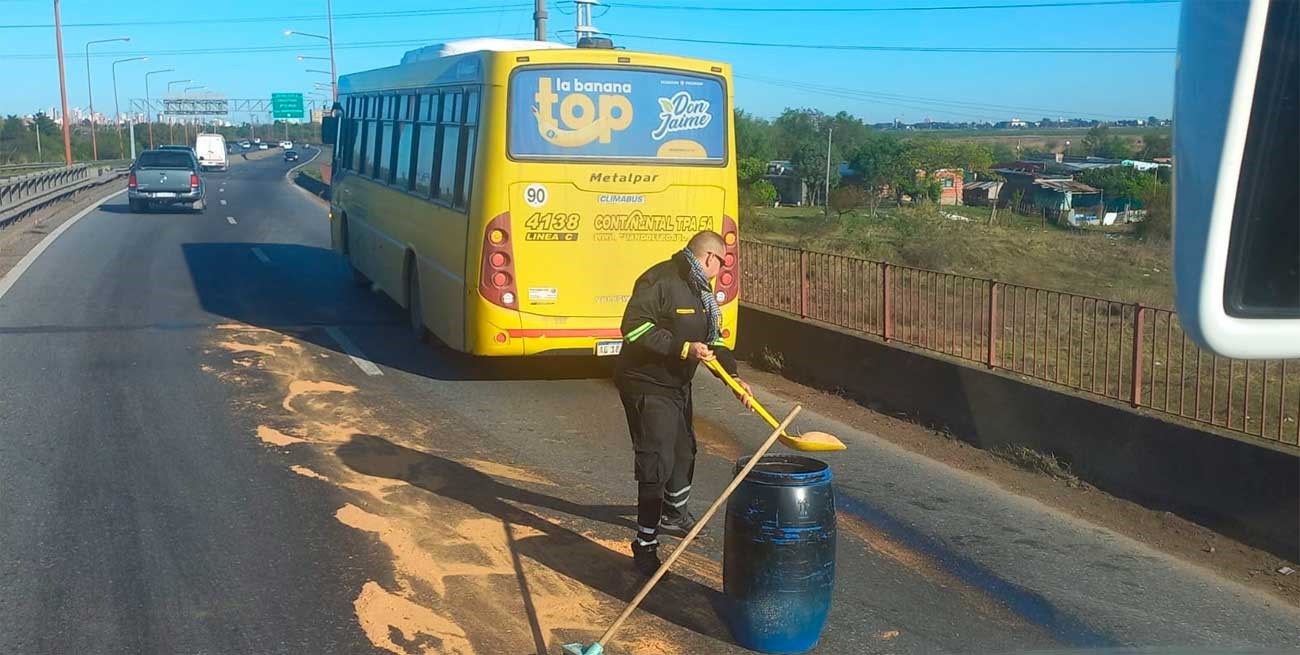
x=1237, y=177
x=329, y=130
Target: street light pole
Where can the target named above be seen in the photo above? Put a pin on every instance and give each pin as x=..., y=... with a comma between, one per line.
x=185, y=126
x=63, y=88
x=171, y=133
x=90, y=95
x=148, y=103
x=539, y=20
x=117, y=110
x=333, y=72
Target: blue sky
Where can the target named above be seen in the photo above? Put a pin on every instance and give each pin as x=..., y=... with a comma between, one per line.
x=918, y=84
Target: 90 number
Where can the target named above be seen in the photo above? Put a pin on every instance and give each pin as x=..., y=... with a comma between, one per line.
x=535, y=195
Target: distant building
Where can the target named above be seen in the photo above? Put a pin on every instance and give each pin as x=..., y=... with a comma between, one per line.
x=950, y=182
x=982, y=193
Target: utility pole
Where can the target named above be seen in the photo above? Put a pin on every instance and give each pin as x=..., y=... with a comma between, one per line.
x=63, y=88
x=38, y=141
x=539, y=21
x=829, y=131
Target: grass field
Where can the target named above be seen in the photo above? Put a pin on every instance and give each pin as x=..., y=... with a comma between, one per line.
x=1105, y=262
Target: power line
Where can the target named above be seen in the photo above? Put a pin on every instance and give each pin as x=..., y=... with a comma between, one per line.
x=883, y=48
x=823, y=9
x=881, y=96
x=359, y=45
x=276, y=19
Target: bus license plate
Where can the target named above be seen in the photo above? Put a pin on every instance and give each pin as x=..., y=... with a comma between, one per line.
x=608, y=348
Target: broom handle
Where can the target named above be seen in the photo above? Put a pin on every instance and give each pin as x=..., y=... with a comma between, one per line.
x=740, y=391
x=699, y=525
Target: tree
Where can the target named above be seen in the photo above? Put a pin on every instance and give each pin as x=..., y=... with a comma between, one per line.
x=1159, y=222
x=795, y=128
x=809, y=160
x=750, y=170
x=1099, y=142
x=1002, y=152
x=1154, y=144
x=846, y=199
x=754, y=137
x=879, y=160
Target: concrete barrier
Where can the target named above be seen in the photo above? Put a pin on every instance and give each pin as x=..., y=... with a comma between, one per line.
x=1247, y=491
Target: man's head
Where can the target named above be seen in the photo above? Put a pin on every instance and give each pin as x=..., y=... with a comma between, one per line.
x=707, y=246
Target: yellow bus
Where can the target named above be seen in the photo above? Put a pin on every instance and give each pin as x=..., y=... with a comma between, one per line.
x=507, y=194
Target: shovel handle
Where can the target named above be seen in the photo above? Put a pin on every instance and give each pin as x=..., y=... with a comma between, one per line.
x=754, y=459
x=717, y=369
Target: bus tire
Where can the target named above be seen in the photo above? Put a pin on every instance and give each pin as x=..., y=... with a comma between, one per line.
x=414, y=306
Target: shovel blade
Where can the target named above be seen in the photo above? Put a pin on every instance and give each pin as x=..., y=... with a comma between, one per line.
x=813, y=442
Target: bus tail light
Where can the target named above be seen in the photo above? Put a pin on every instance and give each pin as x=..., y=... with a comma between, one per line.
x=130, y=180
x=728, y=286
x=496, y=280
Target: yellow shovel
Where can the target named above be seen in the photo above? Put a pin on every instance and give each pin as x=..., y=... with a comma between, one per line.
x=808, y=442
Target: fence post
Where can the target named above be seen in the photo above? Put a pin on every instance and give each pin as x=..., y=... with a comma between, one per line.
x=803, y=284
x=1139, y=327
x=993, y=321
x=886, y=302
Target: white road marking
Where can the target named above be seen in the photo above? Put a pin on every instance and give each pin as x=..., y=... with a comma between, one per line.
x=231, y=220
x=222, y=189
x=257, y=252
x=359, y=358
x=223, y=201
x=7, y=282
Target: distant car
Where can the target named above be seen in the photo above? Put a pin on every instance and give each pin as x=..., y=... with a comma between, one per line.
x=167, y=176
x=287, y=145
x=262, y=146
x=291, y=155
x=245, y=145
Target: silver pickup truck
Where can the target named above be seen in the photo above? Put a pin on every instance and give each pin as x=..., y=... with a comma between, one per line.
x=165, y=177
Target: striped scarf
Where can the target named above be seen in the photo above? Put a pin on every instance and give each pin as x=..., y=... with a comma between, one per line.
x=702, y=286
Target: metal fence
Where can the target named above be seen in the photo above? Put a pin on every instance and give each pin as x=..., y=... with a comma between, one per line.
x=1116, y=350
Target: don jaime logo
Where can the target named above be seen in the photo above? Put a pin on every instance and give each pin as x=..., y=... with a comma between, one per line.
x=681, y=113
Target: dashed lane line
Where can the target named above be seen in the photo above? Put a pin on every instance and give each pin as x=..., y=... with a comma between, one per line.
x=231, y=220
x=359, y=358
x=261, y=256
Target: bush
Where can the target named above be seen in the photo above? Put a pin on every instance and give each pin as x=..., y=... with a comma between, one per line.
x=847, y=198
x=762, y=194
x=1159, y=222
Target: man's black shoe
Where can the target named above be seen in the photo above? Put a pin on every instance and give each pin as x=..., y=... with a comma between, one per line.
x=645, y=558
x=678, y=525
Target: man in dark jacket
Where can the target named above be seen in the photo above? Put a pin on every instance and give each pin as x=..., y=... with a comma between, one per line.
x=671, y=324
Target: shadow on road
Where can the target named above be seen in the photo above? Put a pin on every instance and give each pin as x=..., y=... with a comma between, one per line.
x=682, y=601
x=301, y=290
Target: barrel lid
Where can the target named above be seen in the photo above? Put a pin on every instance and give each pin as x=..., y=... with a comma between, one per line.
x=786, y=470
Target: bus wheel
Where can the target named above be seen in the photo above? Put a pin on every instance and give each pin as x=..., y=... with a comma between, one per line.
x=414, y=306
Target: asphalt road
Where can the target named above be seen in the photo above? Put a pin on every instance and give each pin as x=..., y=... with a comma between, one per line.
x=140, y=513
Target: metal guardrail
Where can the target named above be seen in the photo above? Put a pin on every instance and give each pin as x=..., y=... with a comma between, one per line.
x=1116, y=350
x=10, y=170
x=22, y=194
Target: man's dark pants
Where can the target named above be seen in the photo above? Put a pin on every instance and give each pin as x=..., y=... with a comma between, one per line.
x=663, y=439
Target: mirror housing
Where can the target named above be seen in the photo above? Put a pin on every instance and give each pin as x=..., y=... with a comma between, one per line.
x=1237, y=178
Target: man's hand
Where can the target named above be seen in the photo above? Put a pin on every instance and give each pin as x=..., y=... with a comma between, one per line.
x=699, y=351
x=748, y=397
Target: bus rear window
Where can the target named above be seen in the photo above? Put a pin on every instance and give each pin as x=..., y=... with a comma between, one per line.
x=617, y=114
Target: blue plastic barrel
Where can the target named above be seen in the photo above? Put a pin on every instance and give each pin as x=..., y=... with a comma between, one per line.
x=779, y=558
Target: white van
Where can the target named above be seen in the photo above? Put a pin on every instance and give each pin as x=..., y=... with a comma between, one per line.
x=211, y=149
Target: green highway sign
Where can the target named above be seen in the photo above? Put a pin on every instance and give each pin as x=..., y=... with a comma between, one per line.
x=286, y=105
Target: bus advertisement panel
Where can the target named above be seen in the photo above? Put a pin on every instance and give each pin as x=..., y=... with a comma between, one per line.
x=617, y=115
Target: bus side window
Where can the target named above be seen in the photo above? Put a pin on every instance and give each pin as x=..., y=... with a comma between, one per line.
x=426, y=140
x=404, y=134
x=470, y=137
x=448, y=146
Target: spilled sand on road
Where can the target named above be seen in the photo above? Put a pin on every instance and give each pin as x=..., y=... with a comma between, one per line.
x=482, y=561
x=275, y=437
